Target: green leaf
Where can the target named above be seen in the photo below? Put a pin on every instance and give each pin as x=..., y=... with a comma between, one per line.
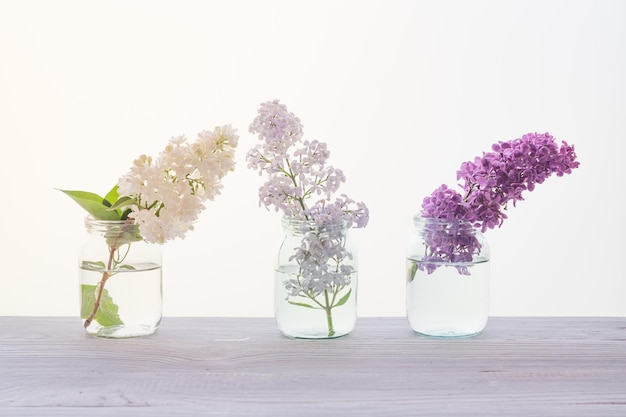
x=343, y=299
x=128, y=234
x=300, y=304
x=122, y=202
x=93, y=265
x=107, y=313
x=126, y=266
x=411, y=271
x=94, y=204
x=111, y=196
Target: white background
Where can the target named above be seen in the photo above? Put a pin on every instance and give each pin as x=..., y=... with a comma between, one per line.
x=402, y=92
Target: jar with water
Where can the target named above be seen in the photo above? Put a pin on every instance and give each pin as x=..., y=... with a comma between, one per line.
x=315, y=280
x=447, y=288
x=120, y=281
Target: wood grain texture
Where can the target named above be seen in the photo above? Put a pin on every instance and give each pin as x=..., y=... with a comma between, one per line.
x=244, y=367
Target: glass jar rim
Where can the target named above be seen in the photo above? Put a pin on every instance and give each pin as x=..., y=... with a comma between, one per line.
x=419, y=219
x=92, y=222
x=94, y=225
x=303, y=225
x=454, y=226
x=91, y=219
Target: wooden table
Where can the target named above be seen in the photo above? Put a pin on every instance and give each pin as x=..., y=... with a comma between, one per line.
x=244, y=367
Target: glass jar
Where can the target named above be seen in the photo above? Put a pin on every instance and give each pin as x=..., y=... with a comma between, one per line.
x=120, y=280
x=447, y=290
x=315, y=280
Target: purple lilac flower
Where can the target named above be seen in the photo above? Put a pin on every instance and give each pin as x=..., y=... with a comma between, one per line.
x=448, y=242
x=493, y=181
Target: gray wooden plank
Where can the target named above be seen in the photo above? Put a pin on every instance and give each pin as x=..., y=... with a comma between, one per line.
x=243, y=366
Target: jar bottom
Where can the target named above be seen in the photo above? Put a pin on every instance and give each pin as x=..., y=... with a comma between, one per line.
x=312, y=333
x=123, y=331
x=448, y=333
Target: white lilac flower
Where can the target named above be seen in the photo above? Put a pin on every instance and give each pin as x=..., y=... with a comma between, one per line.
x=168, y=193
x=164, y=196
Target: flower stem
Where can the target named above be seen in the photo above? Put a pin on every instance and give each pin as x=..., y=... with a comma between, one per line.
x=105, y=276
x=329, y=316
x=292, y=176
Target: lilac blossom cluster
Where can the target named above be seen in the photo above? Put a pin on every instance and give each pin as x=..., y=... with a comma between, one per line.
x=492, y=181
x=167, y=194
x=489, y=184
x=321, y=257
x=297, y=173
x=453, y=242
x=297, y=170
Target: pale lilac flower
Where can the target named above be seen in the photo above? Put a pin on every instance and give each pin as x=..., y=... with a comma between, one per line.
x=302, y=185
x=297, y=171
x=343, y=208
x=278, y=128
x=321, y=255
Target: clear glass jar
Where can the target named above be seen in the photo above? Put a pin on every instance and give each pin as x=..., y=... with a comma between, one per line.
x=120, y=281
x=447, y=290
x=315, y=280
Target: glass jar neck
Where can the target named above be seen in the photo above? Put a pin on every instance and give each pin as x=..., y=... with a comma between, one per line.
x=299, y=227
x=452, y=227
x=113, y=228
x=451, y=240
